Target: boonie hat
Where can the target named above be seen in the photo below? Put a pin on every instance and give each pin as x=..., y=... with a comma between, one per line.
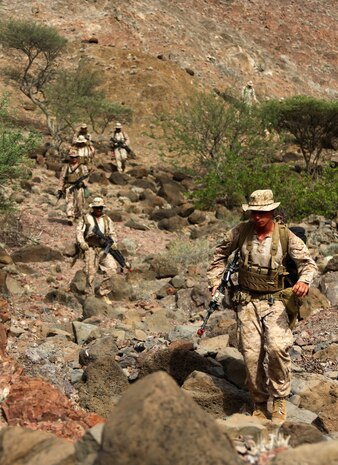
x=118, y=125
x=73, y=154
x=261, y=200
x=250, y=83
x=81, y=139
x=83, y=126
x=97, y=202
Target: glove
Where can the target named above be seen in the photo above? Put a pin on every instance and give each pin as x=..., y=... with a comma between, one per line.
x=84, y=246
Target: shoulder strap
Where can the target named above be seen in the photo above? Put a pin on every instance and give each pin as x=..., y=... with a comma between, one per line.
x=246, y=230
x=284, y=238
x=106, y=225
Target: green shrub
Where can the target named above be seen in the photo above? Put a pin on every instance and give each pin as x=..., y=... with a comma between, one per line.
x=185, y=252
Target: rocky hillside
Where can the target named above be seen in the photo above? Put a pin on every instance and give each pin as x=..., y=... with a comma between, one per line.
x=79, y=376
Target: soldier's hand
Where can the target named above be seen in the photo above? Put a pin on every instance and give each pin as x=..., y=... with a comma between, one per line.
x=300, y=289
x=84, y=246
x=213, y=290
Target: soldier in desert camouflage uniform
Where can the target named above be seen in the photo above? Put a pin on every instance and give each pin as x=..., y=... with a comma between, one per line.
x=91, y=245
x=249, y=94
x=85, y=151
x=120, y=145
x=70, y=174
x=263, y=325
x=82, y=131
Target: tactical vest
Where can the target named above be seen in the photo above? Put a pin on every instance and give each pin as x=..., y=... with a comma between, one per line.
x=72, y=176
x=91, y=239
x=254, y=278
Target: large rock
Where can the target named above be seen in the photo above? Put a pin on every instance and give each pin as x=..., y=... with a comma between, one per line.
x=87, y=448
x=102, y=386
x=217, y=396
x=327, y=420
x=120, y=289
x=301, y=433
x=36, y=404
x=332, y=264
x=21, y=446
x=102, y=347
x=234, y=367
x=157, y=424
x=36, y=253
x=163, y=267
x=313, y=301
x=316, y=391
x=329, y=286
x=93, y=306
x=172, y=192
x=177, y=363
x=5, y=258
x=309, y=454
x=175, y=223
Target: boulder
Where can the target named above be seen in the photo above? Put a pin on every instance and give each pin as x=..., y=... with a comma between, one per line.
x=56, y=295
x=234, y=367
x=310, y=454
x=36, y=253
x=102, y=385
x=87, y=448
x=102, y=347
x=175, y=223
x=197, y=217
x=315, y=390
x=93, y=306
x=78, y=284
x=313, y=301
x=327, y=420
x=332, y=264
x=22, y=446
x=329, y=286
x=85, y=332
x=159, y=214
x=163, y=267
x=301, y=433
x=179, y=364
x=172, y=192
x=5, y=258
x=217, y=396
x=213, y=346
x=120, y=289
x=97, y=177
x=119, y=179
x=156, y=423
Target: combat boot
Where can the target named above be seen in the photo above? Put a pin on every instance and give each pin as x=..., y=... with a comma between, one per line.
x=279, y=410
x=261, y=411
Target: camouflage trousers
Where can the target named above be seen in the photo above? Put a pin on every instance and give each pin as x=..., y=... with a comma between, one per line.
x=95, y=260
x=265, y=339
x=121, y=159
x=75, y=203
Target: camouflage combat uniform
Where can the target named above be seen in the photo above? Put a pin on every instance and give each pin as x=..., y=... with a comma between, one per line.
x=95, y=258
x=263, y=326
x=75, y=200
x=249, y=94
x=120, y=152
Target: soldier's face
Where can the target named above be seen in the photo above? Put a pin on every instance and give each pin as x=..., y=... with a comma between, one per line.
x=74, y=160
x=261, y=219
x=97, y=211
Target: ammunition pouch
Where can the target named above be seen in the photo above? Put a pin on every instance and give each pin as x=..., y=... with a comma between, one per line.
x=292, y=304
x=72, y=178
x=258, y=279
x=94, y=241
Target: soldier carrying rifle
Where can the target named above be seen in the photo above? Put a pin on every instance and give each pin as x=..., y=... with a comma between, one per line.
x=72, y=184
x=120, y=144
x=96, y=238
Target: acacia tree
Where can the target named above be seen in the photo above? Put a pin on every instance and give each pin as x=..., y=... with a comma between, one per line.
x=76, y=95
x=41, y=45
x=311, y=122
x=14, y=146
x=224, y=144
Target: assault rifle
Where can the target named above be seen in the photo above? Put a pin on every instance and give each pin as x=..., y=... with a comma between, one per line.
x=77, y=184
x=107, y=247
x=219, y=294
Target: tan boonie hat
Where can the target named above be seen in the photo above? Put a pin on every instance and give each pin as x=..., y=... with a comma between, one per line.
x=81, y=139
x=97, y=202
x=262, y=201
x=83, y=126
x=73, y=154
x=118, y=125
x=250, y=83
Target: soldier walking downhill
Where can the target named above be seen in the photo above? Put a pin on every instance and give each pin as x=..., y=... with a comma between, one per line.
x=94, y=255
x=263, y=327
x=120, y=145
x=69, y=184
x=249, y=94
